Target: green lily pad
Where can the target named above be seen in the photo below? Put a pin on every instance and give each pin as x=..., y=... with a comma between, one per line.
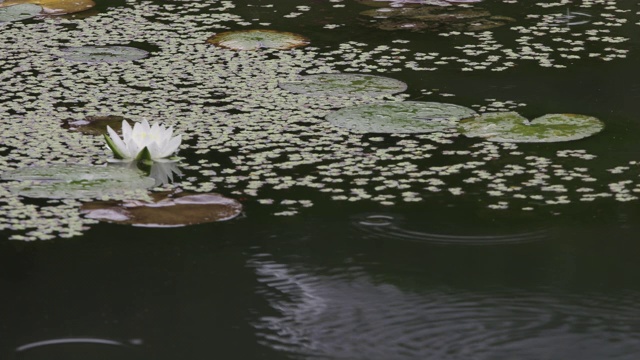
x=167, y=210
x=75, y=181
x=19, y=12
x=343, y=84
x=512, y=127
x=103, y=53
x=258, y=39
x=400, y=117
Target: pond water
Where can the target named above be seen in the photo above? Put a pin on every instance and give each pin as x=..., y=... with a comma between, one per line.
x=349, y=245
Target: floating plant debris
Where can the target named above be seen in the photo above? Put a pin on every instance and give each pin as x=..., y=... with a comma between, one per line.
x=434, y=18
x=94, y=125
x=400, y=117
x=512, y=127
x=167, y=210
x=103, y=53
x=258, y=39
x=19, y=12
x=55, y=7
x=66, y=181
x=343, y=84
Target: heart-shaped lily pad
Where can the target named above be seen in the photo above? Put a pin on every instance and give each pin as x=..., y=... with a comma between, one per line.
x=167, y=210
x=103, y=53
x=75, y=181
x=400, y=117
x=258, y=39
x=19, y=12
x=55, y=7
x=344, y=84
x=512, y=127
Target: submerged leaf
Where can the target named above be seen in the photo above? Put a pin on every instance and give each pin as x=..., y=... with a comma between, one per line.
x=433, y=18
x=512, y=127
x=75, y=181
x=258, y=39
x=343, y=84
x=94, y=125
x=400, y=117
x=168, y=210
x=55, y=7
x=103, y=53
x=19, y=12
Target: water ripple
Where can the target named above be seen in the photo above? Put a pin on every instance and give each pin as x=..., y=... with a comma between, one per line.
x=79, y=348
x=334, y=317
x=392, y=226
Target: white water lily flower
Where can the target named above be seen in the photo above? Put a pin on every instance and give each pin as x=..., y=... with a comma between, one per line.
x=143, y=142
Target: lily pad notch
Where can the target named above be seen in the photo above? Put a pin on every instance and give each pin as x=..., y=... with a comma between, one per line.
x=19, y=12
x=513, y=127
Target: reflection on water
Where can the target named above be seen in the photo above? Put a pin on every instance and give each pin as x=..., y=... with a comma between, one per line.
x=349, y=316
x=395, y=227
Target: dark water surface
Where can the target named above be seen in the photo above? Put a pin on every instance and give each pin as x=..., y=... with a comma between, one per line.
x=444, y=278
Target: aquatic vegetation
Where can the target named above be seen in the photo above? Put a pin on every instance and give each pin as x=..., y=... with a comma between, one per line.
x=94, y=125
x=166, y=210
x=248, y=137
x=55, y=7
x=400, y=117
x=258, y=39
x=434, y=18
x=19, y=12
x=343, y=84
x=143, y=142
x=103, y=53
x=512, y=127
x=71, y=181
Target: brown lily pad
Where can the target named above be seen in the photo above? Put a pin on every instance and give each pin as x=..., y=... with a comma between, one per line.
x=55, y=7
x=167, y=210
x=94, y=125
x=258, y=39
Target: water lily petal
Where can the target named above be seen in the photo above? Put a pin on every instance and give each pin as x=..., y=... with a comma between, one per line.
x=172, y=146
x=126, y=131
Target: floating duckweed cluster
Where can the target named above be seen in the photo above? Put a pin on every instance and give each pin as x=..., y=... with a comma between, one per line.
x=245, y=136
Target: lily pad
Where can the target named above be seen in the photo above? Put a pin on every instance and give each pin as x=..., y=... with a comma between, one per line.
x=55, y=7
x=434, y=18
x=19, y=12
x=103, y=53
x=512, y=127
x=75, y=181
x=258, y=39
x=167, y=210
x=343, y=84
x=400, y=117
x=94, y=125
